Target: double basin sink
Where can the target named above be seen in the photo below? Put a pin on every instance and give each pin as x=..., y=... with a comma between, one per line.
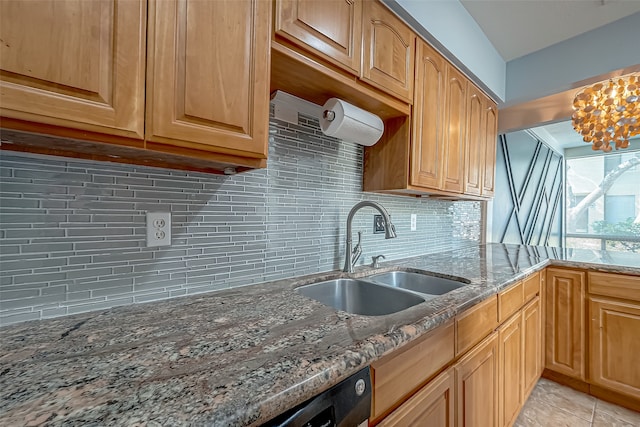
x=380, y=294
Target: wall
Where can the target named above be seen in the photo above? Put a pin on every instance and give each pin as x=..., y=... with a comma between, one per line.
x=576, y=62
x=528, y=202
x=73, y=232
x=451, y=29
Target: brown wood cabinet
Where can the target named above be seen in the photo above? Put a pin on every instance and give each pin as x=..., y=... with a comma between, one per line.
x=77, y=69
x=498, y=365
x=477, y=385
x=475, y=324
x=387, y=51
x=400, y=374
x=433, y=405
x=75, y=64
x=455, y=130
x=427, y=130
x=614, y=313
x=520, y=347
x=565, y=322
x=615, y=345
x=481, y=143
x=510, y=368
x=533, y=355
x=490, y=143
x=475, y=150
x=330, y=29
x=450, y=117
x=208, y=85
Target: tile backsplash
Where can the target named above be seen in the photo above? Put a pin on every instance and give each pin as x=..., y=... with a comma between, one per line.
x=73, y=232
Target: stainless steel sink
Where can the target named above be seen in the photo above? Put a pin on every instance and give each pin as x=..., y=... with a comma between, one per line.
x=360, y=297
x=423, y=283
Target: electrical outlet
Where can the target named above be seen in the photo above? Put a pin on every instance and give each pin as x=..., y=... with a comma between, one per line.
x=378, y=224
x=414, y=222
x=158, y=229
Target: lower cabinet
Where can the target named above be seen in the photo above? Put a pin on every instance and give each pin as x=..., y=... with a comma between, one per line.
x=565, y=322
x=615, y=345
x=477, y=385
x=533, y=356
x=511, y=373
x=497, y=364
x=614, y=313
x=433, y=405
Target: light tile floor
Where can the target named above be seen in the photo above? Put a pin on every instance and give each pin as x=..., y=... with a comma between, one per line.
x=554, y=405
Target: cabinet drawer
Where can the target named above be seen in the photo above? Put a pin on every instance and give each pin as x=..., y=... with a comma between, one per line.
x=531, y=286
x=397, y=376
x=475, y=324
x=614, y=285
x=509, y=301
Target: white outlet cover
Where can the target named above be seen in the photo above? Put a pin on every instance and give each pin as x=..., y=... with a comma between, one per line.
x=414, y=222
x=158, y=229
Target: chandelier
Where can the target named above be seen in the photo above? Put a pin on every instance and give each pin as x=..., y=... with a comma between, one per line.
x=607, y=114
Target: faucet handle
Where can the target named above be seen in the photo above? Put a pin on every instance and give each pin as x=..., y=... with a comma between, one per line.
x=357, y=250
x=375, y=259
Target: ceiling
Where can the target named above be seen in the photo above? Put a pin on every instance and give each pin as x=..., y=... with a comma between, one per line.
x=520, y=27
x=559, y=135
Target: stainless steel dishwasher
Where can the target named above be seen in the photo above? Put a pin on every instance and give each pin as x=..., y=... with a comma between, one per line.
x=346, y=404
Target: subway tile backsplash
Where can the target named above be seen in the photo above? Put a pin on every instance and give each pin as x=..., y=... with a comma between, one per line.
x=73, y=232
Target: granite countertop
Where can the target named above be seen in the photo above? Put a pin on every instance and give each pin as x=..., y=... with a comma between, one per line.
x=237, y=357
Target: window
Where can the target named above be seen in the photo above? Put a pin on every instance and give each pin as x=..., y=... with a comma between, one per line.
x=611, y=220
x=619, y=208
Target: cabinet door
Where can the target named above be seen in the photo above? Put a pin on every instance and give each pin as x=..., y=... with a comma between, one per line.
x=427, y=118
x=208, y=77
x=532, y=345
x=510, y=379
x=454, y=140
x=74, y=63
x=477, y=385
x=433, y=405
x=490, y=128
x=387, y=51
x=331, y=29
x=475, y=150
x=565, y=322
x=614, y=345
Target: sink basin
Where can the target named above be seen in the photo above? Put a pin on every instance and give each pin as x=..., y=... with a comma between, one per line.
x=423, y=283
x=360, y=297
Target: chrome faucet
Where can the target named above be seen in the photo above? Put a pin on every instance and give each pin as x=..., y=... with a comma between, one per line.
x=351, y=254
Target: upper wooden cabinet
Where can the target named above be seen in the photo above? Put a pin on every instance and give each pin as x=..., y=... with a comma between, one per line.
x=565, y=322
x=443, y=150
x=387, y=51
x=208, y=85
x=454, y=132
x=77, y=69
x=427, y=132
x=480, y=159
x=330, y=29
x=74, y=63
x=475, y=151
x=489, y=144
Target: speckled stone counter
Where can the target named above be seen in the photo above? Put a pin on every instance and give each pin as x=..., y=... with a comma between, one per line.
x=236, y=357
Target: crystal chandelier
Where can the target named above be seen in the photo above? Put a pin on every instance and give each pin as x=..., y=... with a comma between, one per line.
x=607, y=114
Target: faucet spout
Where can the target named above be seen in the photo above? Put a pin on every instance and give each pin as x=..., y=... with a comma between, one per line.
x=389, y=230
